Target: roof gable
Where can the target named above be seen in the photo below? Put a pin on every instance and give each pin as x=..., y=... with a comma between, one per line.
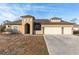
x=41, y=21
x=45, y=22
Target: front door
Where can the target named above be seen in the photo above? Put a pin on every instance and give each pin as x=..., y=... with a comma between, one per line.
x=27, y=28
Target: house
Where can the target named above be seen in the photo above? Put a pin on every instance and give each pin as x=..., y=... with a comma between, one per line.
x=29, y=25
x=76, y=27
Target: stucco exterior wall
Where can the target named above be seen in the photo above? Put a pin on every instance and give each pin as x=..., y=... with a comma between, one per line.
x=19, y=27
x=30, y=22
x=67, y=28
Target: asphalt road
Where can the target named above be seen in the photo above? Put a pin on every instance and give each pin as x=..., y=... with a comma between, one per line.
x=62, y=44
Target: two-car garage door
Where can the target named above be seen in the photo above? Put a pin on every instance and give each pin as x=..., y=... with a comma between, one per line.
x=52, y=30
x=57, y=30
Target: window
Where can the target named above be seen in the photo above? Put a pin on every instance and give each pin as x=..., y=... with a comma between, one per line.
x=37, y=26
x=8, y=26
x=15, y=29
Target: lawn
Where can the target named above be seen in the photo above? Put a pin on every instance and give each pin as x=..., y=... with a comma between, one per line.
x=18, y=44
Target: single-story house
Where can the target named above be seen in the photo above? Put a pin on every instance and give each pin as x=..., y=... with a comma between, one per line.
x=29, y=25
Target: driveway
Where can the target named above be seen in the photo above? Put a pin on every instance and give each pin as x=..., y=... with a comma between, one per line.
x=62, y=44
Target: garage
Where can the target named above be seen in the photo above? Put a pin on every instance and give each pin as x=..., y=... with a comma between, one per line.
x=67, y=30
x=58, y=30
x=52, y=30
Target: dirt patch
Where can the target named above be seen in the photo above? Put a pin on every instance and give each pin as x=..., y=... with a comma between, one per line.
x=22, y=45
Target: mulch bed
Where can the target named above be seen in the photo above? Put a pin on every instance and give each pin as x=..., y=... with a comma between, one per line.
x=22, y=45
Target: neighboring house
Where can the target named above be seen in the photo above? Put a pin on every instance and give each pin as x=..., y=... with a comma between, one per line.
x=30, y=25
x=76, y=27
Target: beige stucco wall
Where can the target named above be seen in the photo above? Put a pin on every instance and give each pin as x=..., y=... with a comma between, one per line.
x=29, y=21
x=19, y=27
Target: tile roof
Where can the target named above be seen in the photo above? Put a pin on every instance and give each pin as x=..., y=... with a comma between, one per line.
x=18, y=22
x=41, y=21
x=48, y=22
x=27, y=16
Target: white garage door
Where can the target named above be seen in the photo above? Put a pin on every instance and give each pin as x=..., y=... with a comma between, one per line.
x=52, y=30
x=67, y=30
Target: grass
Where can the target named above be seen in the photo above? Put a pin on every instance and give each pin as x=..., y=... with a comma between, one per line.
x=18, y=44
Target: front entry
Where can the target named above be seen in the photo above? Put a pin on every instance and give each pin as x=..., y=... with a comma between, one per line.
x=27, y=28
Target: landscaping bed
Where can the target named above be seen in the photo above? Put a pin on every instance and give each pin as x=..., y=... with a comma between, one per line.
x=17, y=44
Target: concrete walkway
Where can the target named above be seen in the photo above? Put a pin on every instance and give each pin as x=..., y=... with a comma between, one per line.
x=62, y=44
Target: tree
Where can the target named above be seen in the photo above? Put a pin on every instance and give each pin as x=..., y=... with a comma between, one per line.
x=2, y=28
x=6, y=21
x=74, y=20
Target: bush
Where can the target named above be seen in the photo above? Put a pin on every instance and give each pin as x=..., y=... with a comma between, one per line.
x=75, y=32
x=12, y=31
x=2, y=28
x=8, y=30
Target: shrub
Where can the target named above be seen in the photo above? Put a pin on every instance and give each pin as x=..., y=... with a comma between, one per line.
x=75, y=32
x=12, y=31
x=8, y=30
x=2, y=28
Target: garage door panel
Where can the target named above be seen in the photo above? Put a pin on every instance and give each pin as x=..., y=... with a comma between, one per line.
x=67, y=30
x=52, y=30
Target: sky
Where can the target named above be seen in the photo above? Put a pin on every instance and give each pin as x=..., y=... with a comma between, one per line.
x=13, y=11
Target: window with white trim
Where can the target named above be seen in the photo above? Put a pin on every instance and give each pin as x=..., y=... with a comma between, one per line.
x=15, y=28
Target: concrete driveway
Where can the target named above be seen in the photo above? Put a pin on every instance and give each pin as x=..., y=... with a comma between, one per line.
x=62, y=44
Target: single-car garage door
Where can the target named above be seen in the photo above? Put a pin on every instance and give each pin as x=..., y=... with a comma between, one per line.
x=67, y=30
x=52, y=30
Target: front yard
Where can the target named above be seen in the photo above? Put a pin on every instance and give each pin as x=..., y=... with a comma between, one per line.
x=18, y=44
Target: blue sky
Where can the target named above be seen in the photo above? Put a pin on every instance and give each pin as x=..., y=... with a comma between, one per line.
x=13, y=11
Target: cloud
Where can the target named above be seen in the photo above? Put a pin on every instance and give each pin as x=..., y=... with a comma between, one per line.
x=10, y=13
x=13, y=11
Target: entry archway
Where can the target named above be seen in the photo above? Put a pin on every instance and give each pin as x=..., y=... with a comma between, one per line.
x=27, y=28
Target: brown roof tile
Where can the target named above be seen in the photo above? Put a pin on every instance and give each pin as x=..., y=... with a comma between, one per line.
x=18, y=22
x=27, y=16
x=41, y=21
x=48, y=22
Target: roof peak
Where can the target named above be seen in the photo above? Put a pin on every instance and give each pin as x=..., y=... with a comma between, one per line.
x=27, y=16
